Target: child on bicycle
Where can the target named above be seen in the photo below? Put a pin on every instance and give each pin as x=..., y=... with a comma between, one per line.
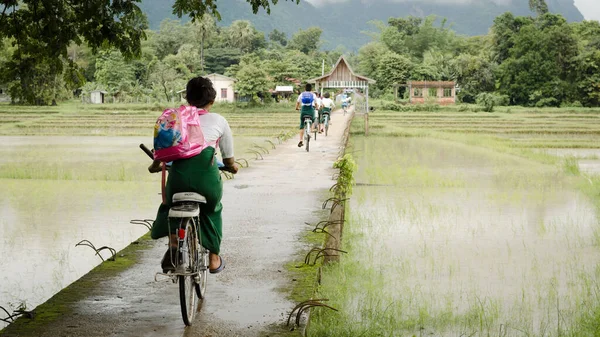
x=327, y=106
x=199, y=174
x=306, y=103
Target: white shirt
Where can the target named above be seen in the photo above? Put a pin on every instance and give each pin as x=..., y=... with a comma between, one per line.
x=327, y=103
x=215, y=127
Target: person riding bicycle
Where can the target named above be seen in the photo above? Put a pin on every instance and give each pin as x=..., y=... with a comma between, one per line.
x=327, y=106
x=345, y=101
x=306, y=103
x=318, y=110
x=199, y=174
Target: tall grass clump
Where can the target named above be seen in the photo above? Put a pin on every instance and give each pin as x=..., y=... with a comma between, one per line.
x=571, y=166
x=347, y=166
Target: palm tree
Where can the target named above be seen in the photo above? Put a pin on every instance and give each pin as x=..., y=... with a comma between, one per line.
x=205, y=28
x=241, y=34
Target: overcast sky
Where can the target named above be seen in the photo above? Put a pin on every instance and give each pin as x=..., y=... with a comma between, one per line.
x=589, y=8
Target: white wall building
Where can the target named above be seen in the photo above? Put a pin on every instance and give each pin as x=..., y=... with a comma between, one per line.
x=223, y=86
x=4, y=97
x=97, y=96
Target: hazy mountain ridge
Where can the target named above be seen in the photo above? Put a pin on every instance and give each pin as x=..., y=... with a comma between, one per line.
x=343, y=23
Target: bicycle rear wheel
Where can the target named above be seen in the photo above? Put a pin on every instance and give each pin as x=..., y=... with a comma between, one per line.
x=307, y=135
x=326, y=125
x=202, y=271
x=187, y=293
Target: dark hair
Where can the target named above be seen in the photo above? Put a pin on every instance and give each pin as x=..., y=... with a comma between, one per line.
x=199, y=92
x=308, y=87
x=326, y=95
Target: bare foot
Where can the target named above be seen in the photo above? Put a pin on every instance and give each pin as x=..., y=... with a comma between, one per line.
x=215, y=261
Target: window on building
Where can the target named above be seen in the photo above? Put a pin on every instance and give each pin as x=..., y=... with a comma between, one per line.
x=447, y=92
x=223, y=92
x=432, y=92
x=418, y=92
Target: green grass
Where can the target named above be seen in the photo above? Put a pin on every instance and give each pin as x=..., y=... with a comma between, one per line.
x=414, y=197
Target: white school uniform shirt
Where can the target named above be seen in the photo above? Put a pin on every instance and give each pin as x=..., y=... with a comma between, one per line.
x=328, y=103
x=318, y=101
x=215, y=127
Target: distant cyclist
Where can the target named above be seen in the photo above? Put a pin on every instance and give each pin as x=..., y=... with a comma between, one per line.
x=306, y=103
x=318, y=110
x=327, y=105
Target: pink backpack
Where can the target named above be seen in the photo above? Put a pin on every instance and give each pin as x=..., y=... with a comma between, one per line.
x=177, y=134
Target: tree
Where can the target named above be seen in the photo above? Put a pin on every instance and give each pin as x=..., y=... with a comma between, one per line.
x=114, y=72
x=279, y=37
x=392, y=68
x=538, y=68
x=42, y=30
x=368, y=57
x=196, y=9
x=251, y=81
x=306, y=41
x=242, y=34
x=538, y=6
x=205, y=28
x=170, y=37
x=165, y=79
x=219, y=59
x=474, y=75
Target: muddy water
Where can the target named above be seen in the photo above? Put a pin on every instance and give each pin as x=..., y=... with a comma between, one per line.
x=80, y=188
x=464, y=241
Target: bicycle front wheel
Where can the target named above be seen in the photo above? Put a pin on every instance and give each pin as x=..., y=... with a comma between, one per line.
x=187, y=293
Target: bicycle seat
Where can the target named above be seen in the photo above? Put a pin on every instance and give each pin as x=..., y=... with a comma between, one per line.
x=184, y=211
x=189, y=197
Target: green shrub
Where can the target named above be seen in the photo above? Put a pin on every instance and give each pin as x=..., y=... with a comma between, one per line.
x=574, y=104
x=547, y=102
x=501, y=100
x=487, y=101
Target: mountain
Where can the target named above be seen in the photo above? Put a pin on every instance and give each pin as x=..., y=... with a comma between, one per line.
x=344, y=22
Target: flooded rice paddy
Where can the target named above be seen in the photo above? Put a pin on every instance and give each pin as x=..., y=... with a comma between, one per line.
x=446, y=239
x=59, y=190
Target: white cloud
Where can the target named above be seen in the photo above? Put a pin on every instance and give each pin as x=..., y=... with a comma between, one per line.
x=589, y=8
x=319, y=3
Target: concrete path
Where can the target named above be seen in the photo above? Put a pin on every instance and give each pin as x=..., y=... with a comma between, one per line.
x=265, y=208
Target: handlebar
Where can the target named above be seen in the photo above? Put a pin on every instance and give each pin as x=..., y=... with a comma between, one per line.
x=147, y=151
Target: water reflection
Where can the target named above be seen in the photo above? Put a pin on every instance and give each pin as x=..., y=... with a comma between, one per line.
x=41, y=220
x=464, y=233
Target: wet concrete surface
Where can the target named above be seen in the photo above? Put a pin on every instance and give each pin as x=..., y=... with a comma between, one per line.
x=265, y=208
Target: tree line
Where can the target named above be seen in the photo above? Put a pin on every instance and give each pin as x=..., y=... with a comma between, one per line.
x=523, y=60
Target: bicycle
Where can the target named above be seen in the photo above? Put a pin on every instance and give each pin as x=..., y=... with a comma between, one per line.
x=326, y=122
x=345, y=108
x=307, y=124
x=191, y=258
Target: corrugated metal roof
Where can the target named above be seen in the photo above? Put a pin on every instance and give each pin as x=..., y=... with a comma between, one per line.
x=284, y=88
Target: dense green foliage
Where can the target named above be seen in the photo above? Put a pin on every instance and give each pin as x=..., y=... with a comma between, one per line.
x=532, y=61
x=36, y=35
